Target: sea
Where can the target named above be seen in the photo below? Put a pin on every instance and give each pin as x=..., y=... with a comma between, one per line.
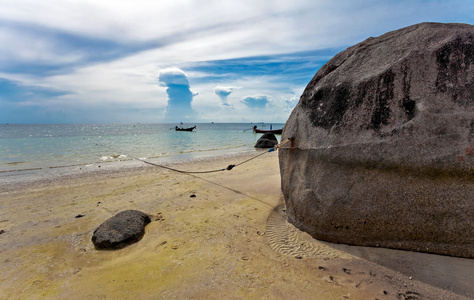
x=25, y=147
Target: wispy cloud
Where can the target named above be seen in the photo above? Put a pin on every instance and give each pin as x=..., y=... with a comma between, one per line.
x=16, y=92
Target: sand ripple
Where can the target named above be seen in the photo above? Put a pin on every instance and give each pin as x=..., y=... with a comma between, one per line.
x=287, y=240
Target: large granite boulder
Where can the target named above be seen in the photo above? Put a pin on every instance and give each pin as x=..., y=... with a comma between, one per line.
x=123, y=229
x=384, y=148
x=267, y=140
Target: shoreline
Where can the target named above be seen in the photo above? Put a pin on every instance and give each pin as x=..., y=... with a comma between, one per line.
x=118, y=159
x=24, y=177
x=212, y=236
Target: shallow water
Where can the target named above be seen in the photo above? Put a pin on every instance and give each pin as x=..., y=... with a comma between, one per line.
x=26, y=147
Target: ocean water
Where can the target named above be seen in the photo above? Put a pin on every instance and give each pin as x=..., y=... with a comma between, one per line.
x=42, y=147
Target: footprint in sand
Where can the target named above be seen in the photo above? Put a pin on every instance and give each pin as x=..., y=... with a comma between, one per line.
x=286, y=239
x=408, y=295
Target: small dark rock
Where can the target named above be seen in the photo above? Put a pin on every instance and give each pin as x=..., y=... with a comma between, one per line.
x=193, y=196
x=2, y=231
x=268, y=140
x=79, y=216
x=121, y=230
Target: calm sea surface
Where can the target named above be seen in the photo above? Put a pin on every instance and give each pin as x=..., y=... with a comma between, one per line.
x=26, y=147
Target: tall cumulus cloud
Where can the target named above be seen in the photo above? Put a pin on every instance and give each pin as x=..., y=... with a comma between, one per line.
x=179, y=95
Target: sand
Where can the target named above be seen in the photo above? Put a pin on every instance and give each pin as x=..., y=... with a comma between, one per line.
x=212, y=236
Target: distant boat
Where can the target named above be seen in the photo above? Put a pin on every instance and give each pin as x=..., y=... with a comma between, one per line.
x=184, y=129
x=275, y=131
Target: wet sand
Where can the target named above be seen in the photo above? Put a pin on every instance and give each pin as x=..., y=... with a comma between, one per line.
x=212, y=236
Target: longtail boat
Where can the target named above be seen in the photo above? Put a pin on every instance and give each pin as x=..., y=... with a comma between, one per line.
x=275, y=131
x=185, y=129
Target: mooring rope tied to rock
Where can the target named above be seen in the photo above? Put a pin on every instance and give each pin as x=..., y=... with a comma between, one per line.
x=228, y=168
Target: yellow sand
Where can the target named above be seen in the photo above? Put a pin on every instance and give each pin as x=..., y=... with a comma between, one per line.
x=216, y=245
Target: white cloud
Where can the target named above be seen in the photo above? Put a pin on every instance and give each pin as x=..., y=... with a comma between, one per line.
x=258, y=101
x=223, y=91
x=171, y=76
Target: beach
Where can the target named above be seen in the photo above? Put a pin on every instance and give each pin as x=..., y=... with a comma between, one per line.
x=220, y=235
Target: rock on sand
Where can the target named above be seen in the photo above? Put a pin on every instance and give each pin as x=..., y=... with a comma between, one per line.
x=267, y=140
x=123, y=229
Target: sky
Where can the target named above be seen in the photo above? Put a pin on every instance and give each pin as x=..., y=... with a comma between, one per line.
x=141, y=61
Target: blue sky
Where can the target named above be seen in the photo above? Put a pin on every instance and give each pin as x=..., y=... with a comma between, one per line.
x=89, y=61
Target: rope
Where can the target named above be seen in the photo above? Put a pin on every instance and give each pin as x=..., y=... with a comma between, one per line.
x=229, y=167
x=271, y=150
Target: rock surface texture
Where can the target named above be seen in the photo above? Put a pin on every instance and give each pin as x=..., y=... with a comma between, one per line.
x=384, y=148
x=123, y=229
x=267, y=140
